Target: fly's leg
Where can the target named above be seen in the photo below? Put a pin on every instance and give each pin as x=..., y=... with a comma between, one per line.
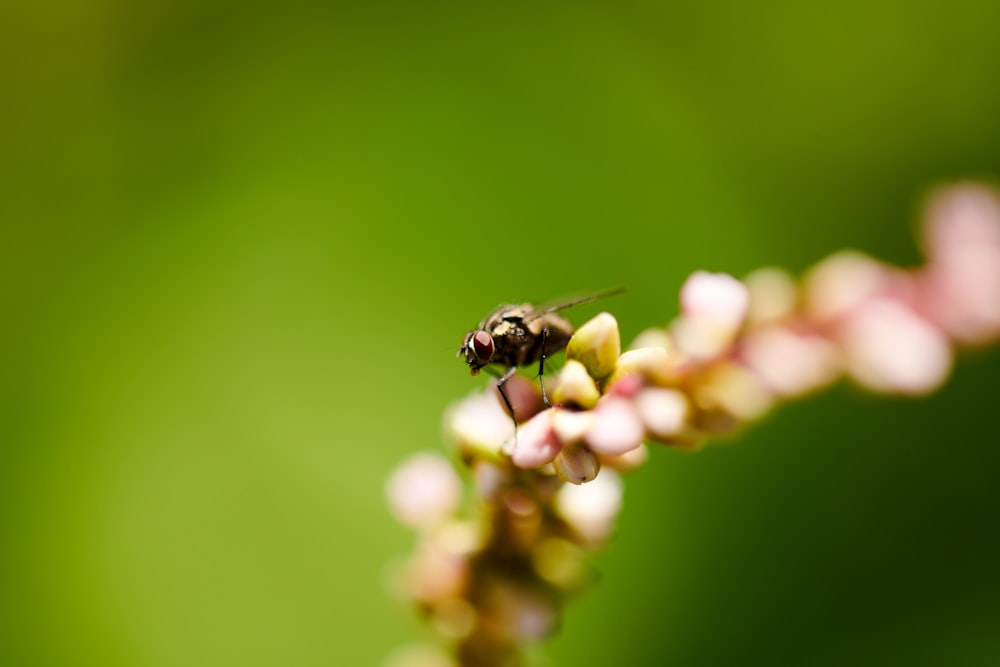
x=541, y=368
x=506, y=401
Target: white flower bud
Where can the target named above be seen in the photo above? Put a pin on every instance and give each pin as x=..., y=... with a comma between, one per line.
x=665, y=412
x=591, y=509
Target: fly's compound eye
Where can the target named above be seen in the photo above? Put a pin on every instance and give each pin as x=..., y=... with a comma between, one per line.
x=482, y=346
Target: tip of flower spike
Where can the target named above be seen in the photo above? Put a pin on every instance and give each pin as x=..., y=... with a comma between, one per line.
x=961, y=283
x=961, y=294
x=959, y=217
x=596, y=345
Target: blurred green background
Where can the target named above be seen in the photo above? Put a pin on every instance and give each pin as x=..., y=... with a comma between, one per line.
x=240, y=243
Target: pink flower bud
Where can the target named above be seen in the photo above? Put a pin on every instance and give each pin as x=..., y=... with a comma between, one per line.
x=891, y=349
x=842, y=281
x=537, y=442
x=961, y=217
x=478, y=423
x=961, y=293
x=717, y=297
x=523, y=394
x=790, y=363
x=433, y=574
x=423, y=491
x=617, y=428
x=714, y=306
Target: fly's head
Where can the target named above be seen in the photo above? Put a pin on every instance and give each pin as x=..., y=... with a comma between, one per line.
x=478, y=349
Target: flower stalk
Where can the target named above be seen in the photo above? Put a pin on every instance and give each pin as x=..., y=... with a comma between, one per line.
x=493, y=573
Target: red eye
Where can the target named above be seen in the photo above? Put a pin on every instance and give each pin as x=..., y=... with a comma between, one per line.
x=482, y=345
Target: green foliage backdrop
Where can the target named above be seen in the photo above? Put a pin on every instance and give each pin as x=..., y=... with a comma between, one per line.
x=239, y=244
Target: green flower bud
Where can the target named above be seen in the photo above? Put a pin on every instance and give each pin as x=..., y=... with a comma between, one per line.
x=577, y=464
x=596, y=345
x=576, y=387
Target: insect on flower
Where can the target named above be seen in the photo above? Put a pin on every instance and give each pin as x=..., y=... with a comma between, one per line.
x=516, y=335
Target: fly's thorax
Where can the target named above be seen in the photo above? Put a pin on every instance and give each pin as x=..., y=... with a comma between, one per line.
x=511, y=312
x=516, y=312
x=505, y=328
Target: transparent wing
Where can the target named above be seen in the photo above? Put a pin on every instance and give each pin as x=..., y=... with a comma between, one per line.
x=569, y=303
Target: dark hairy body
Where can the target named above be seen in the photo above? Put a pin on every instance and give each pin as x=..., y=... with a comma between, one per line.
x=516, y=335
x=521, y=336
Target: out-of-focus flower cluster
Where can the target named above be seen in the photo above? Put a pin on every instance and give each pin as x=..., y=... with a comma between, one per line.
x=494, y=576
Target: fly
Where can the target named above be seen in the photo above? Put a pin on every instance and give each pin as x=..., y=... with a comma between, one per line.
x=516, y=335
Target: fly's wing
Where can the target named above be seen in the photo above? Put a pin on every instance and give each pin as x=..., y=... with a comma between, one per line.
x=541, y=311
